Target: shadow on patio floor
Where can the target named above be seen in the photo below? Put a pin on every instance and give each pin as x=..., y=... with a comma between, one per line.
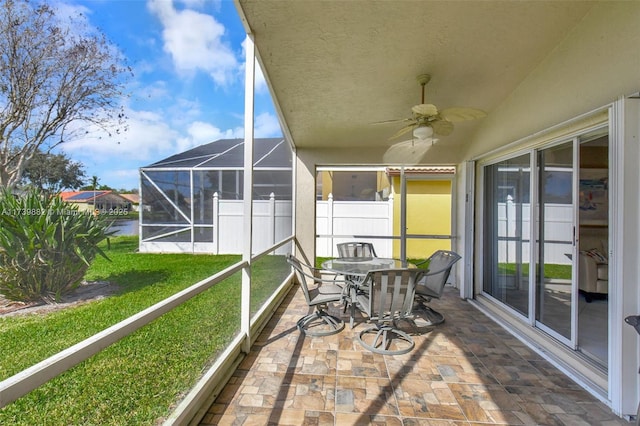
x=467, y=371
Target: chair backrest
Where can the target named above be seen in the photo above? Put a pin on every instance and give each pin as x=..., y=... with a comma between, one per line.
x=301, y=275
x=434, y=280
x=390, y=293
x=356, y=249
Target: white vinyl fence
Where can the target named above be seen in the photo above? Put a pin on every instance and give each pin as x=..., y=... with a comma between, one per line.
x=341, y=221
x=271, y=223
x=514, y=228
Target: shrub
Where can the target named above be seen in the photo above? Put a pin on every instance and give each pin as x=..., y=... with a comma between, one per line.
x=46, y=246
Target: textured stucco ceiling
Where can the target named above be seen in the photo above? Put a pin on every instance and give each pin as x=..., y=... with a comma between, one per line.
x=336, y=67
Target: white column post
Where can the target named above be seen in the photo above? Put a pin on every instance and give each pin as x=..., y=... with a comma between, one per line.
x=245, y=318
x=466, y=289
x=192, y=212
x=272, y=218
x=216, y=223
x=624, y=297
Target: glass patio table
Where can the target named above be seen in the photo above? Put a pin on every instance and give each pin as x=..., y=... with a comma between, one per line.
x=359, y=266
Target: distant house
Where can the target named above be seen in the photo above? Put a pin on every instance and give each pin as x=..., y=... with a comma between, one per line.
x=134, y=199
x=101, y=200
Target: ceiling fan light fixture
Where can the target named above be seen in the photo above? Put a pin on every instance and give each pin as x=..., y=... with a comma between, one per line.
x=422, y=132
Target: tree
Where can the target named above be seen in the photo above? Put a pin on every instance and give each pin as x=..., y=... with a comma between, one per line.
x=52, y=173
x=57, y=79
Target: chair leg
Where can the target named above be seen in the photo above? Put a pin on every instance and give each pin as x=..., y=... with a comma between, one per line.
x=428, y=316
x=349, y=302
x=320, y=323
x=352, y=315
x=433, y=317
x=379, y=339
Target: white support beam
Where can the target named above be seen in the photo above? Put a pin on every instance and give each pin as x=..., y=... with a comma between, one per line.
x=247, y=190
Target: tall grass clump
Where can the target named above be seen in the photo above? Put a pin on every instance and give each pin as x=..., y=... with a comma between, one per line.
x=46, y=246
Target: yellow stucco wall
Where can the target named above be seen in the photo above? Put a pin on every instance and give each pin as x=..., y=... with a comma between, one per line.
x=428, y=212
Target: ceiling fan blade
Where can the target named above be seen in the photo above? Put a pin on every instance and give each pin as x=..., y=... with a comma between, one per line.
x=405, y=129
x=456, y=114
x=407, y=153
x=425, y=109
x=399, y=120
x=442, y=127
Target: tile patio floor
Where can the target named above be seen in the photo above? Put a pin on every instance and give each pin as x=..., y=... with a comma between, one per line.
x=467, y=371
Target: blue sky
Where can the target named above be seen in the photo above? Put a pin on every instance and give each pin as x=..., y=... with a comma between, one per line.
x=188, y=84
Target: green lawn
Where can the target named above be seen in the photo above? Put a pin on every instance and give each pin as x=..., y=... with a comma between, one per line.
x=139, y=379
x=550, y=270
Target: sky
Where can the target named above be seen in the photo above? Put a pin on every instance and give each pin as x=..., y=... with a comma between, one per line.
x=187, y=88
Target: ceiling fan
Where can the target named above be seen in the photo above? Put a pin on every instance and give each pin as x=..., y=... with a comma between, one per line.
x=409, y=152
x=427, y=120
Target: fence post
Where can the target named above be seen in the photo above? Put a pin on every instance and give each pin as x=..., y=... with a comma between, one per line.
x=390, y=221
x=272, y=217
x=330, y=221
x=216, y=223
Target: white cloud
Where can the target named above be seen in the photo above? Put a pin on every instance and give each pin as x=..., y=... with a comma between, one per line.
x=148, y=137
x=194, y=41
x=156, y=91
x=260, y=83
x=183, y=112
x=193, y=4
x=121, y=178
x=266, y=126
x=200, y=133
x=65, y=11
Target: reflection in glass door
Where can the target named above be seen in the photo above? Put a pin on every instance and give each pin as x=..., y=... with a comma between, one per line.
x=555, y=295
x=507, y=242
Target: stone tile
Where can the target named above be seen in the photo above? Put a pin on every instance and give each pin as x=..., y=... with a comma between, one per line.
x=310, y=392
x=418, y=398
x=363, y=364
x=520, y=373
x=489, y=403
x=317, y=361
x=365, y=395
x=347, y=419
x=466, y=371
x=554, y=375
x=424, y=368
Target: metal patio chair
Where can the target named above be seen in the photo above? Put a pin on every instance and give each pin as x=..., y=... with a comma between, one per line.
x=318, y=293
x=356, y=249
x=431, y=286
x=387, y=302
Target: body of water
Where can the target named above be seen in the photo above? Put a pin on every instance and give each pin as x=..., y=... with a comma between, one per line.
x=125, y=227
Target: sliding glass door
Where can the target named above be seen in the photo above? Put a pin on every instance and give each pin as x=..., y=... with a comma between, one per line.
x=555, y=227
x=507, y=228
x=510, y=204
x=545, y=239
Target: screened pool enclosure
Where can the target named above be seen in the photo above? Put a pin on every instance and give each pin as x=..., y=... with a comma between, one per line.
x=192, y=201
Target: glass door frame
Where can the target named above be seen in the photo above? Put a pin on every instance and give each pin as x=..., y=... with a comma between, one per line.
x=572, y=340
